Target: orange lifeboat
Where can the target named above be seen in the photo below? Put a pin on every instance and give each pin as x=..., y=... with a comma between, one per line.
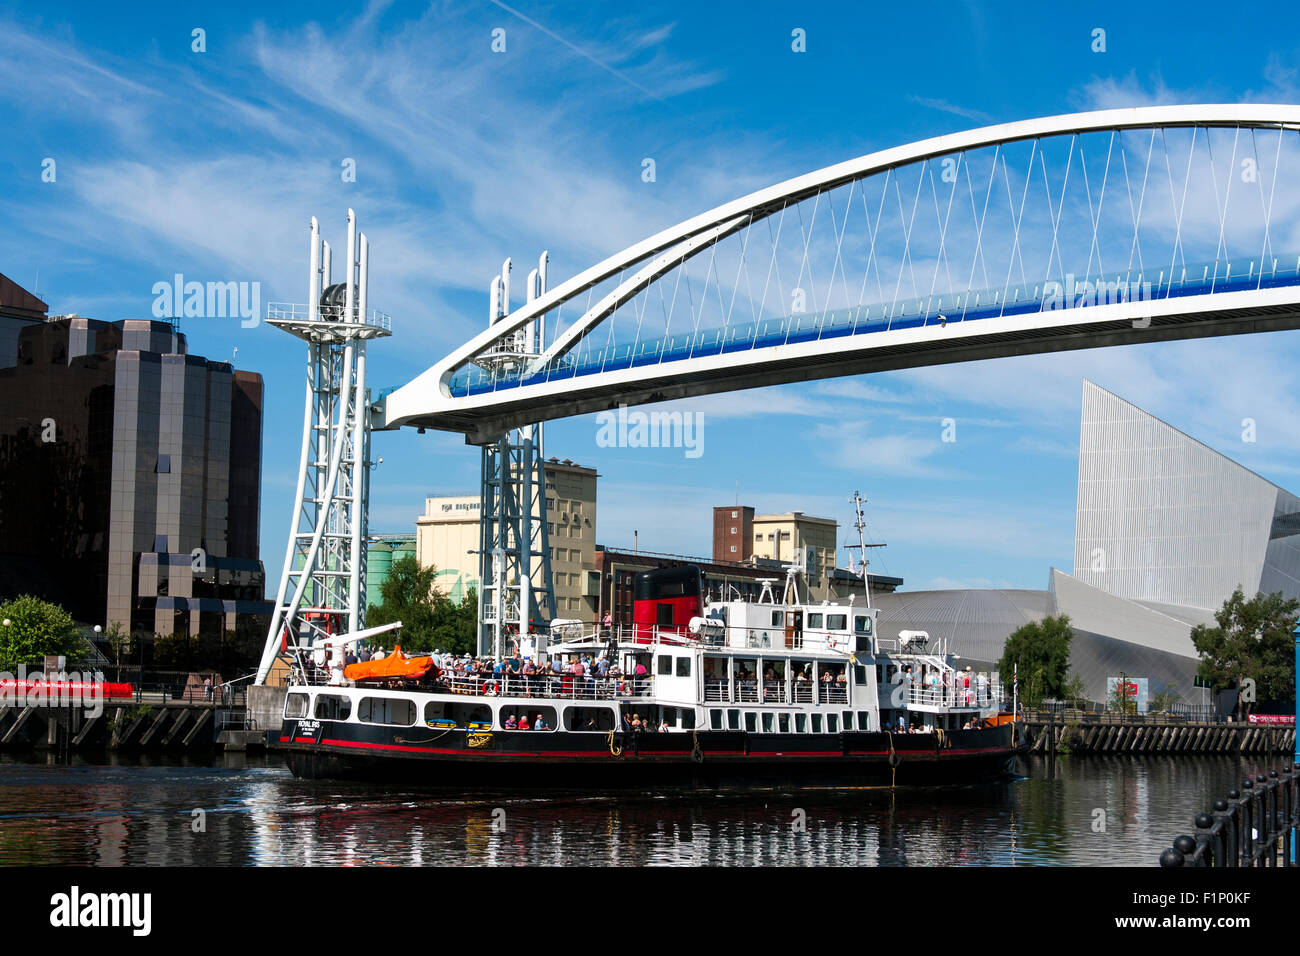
x=396, y=666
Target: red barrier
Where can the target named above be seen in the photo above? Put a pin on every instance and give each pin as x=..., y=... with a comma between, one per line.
x=56, y=690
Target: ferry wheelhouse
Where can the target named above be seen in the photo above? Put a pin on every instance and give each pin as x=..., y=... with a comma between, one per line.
x=693, y=691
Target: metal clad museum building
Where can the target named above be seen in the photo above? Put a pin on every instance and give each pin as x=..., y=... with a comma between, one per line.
x=1165, y=529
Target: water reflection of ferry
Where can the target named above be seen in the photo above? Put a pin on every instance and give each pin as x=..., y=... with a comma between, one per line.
x=785, y=692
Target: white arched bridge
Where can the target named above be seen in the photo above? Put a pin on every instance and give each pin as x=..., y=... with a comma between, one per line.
x=1069, y=232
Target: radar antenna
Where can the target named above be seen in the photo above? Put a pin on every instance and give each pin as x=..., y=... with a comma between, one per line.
x=857, y=501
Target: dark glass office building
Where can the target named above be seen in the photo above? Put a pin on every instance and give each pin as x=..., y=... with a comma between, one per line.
x=129, y=479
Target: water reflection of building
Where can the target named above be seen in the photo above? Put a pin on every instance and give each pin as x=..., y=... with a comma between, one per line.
x=129, y=478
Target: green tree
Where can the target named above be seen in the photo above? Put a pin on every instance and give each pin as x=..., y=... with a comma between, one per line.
x=457, y=627
x=36, y=628
x=1075, y=690
x=1041, y=649
x=119, y=643
x=1124, y=697
x=1165, y=699
x=1253, y=640
x=409, y=595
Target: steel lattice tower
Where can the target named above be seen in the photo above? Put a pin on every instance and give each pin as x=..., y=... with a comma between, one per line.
x=514, y=551
x=323, y=585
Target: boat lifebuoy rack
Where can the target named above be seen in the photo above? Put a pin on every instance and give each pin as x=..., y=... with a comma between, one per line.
x=832, y=643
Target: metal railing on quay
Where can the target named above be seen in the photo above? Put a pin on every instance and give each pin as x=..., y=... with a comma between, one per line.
x=1257, y=825
x=166, y=686
x=1096, y=714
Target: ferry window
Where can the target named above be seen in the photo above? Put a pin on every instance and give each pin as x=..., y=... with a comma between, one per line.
x=767, y=723
x=733, y=720
x=778, y=619
x=817, y=723
x=860, y=675
x=837, y=622
x=683, y=667
x=580, y=718
x=848, y=719
x=864, y=720
x=295, y=705
x=715, y=720
x=862, y=644
x=832, y=724
x=665, y=665
x=801, y=723
x=783, y=723
x=397, y=711
x=814, y=620
x=538, y=718
x=442, y=715
x=751, y=721
x=333, y=707
x=862, y=623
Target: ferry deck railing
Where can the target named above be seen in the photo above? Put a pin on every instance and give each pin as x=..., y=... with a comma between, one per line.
x=748, y=691
x=940, y=696
x=547, y=686
x=538, y=686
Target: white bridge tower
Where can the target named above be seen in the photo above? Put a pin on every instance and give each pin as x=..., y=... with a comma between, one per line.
x=323, y=585
x=514, y=554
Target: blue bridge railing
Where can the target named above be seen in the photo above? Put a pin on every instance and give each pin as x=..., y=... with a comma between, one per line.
x=1047, y=296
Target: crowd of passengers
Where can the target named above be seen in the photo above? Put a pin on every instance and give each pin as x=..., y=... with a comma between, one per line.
x=956, y=689
x=585, y=675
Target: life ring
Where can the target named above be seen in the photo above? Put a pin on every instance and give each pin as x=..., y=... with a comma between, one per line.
x=491, y=688
x=832, y=643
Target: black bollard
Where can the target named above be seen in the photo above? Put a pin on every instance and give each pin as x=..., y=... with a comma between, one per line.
x=1171, y=857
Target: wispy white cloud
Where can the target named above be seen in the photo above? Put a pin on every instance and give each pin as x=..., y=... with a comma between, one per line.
x=944, y=106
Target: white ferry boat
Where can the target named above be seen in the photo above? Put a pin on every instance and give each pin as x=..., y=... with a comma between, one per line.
x=693, y=692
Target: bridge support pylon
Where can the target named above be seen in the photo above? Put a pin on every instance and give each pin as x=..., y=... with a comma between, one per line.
x=322, y=588
x=517, y=596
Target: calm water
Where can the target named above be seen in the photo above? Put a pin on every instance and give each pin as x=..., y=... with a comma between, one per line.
x=255, y=812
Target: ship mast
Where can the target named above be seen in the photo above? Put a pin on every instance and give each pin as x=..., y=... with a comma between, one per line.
x=857, y=501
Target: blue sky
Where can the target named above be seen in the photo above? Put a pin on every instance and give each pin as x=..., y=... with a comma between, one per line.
x=210, y=164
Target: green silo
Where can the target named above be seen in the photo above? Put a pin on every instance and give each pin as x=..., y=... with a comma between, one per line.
x=379, y=558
